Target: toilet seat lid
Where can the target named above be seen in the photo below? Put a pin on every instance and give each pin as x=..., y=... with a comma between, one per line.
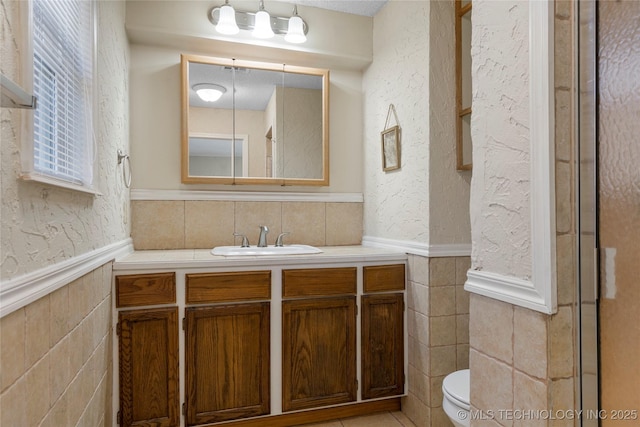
x=458, y=386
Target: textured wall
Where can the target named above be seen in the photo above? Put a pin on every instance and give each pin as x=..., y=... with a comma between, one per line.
x=426, y=200
x=397, y=202
x=42, y=225
x=500, y=210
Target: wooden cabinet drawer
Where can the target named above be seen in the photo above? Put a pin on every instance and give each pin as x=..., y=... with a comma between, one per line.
x=318, y=282
x=380, y=278
x=145, y=289
x=228, y=286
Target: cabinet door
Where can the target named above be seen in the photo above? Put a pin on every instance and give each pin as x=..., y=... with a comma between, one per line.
x=148, y=357
x=382, y=345
x=227, y=362
x=319, y=352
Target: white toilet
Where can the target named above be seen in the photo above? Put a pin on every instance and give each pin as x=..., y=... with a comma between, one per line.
x=456, y=389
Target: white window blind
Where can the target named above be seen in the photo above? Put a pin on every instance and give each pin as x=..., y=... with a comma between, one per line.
x=63, y=46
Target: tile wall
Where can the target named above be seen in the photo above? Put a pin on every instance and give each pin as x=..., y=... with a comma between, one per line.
x=178, y=224
x=521, y=359
x=56, y=357
x=438, y=326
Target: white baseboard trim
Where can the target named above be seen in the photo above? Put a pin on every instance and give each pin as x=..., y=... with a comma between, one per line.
x=20, y=291
x=245, y=196
x=416, y=248
x=508, y=289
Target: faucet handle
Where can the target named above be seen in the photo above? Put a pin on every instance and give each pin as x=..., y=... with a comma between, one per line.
x=245, y=241
x=279, y=238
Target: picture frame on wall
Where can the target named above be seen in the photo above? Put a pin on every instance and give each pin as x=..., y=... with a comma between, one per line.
x=390, y=139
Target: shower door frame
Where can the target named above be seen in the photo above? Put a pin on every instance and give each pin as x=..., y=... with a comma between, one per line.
x=587, y=381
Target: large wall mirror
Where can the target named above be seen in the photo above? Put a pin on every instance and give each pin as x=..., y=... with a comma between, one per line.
x=247, y=122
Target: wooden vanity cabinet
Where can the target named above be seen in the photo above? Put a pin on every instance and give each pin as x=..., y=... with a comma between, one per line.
x=382, y=331
x=227, y=346
x=318, y=338
x=327, y=315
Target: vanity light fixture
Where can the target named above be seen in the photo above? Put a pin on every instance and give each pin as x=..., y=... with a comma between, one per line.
x=209, y=92
x=227, y=23
x=261, y=24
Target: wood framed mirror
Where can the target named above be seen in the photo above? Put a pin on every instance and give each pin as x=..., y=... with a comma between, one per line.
x=464, y=145
x=246, y=122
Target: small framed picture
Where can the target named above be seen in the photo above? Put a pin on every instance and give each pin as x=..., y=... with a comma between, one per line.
x=391, y=149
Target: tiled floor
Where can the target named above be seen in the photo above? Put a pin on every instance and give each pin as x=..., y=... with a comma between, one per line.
x=383, y=419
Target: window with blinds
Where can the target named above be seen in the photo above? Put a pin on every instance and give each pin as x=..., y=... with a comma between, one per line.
x=63, y=50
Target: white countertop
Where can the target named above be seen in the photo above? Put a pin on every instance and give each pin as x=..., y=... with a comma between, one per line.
x=202, y=258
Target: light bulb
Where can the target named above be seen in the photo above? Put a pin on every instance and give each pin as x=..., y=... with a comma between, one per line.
x=227, y=22
x=295, y=32
x=262, y=28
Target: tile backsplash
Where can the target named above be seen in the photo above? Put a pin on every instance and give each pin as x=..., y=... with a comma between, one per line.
x=196, y=224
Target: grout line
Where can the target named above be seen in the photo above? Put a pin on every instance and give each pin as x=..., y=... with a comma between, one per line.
x=400, y=421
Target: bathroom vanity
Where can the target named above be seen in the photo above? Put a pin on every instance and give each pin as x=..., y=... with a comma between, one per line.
x=258, y=340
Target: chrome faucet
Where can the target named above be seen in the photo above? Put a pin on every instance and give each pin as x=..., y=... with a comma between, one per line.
x=262, y=240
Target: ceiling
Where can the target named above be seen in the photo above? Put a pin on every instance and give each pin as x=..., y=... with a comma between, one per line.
x=356, y=7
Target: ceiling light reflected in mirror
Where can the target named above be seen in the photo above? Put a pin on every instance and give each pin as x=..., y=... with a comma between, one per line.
x=209, y=92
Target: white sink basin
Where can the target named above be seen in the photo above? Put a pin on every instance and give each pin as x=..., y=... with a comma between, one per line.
x=269, y=250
